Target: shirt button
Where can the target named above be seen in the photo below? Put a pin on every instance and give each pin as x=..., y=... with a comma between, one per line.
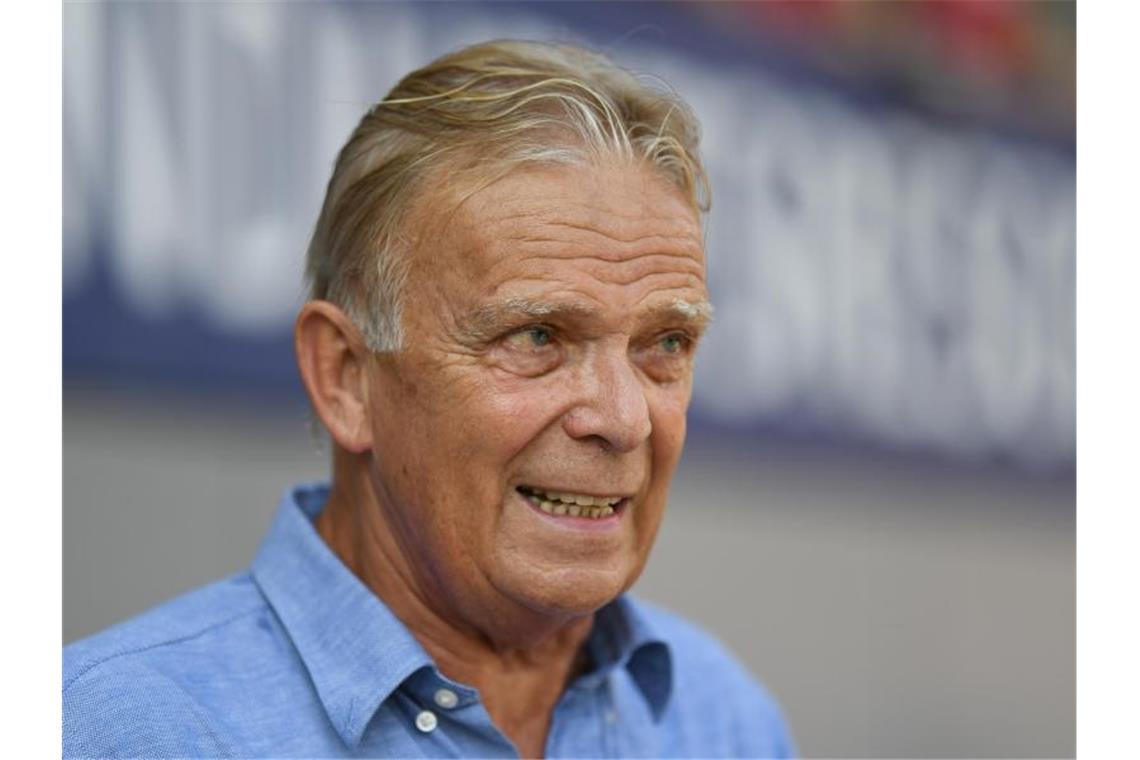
x=426, y=721
x=446, y=698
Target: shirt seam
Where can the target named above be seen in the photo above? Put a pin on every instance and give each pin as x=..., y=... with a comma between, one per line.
x=166, y=642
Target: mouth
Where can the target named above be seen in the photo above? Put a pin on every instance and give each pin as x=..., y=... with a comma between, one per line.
x=565, y=504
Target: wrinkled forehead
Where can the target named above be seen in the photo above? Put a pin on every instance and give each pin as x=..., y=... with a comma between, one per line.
x=611, y=213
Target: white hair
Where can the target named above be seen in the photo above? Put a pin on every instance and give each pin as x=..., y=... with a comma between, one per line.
x=481, y=112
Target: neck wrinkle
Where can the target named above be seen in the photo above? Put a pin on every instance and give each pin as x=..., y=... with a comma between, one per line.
x=353, y=526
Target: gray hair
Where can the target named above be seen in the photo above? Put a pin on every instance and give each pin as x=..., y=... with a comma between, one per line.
x=483, y=111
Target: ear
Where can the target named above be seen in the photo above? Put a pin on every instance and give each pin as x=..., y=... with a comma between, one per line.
x=331, y=355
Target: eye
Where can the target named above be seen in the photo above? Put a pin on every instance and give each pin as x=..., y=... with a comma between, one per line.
x=529, y=351
x=531, y=338
x=668, y=356
x=674, y=343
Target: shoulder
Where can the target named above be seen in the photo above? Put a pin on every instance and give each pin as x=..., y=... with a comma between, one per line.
x=164, y=631
x=134, y=688
x=706, y=675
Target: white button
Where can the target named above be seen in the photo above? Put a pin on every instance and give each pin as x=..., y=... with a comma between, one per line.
x=426, y=721
x=446, y=698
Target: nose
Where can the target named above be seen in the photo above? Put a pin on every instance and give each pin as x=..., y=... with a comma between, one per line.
x=612, y=407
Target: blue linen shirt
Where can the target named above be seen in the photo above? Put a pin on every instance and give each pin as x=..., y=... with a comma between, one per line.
x=296, y=657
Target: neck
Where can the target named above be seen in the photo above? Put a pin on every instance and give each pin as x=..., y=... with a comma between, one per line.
x=520, y=663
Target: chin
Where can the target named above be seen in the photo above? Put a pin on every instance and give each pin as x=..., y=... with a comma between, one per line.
x=567, y=592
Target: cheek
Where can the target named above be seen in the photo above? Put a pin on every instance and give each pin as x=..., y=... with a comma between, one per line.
x=668, y=406
x=667, y=413
x=515, y=411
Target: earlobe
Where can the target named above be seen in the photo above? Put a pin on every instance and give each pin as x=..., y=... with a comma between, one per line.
x=331, y=357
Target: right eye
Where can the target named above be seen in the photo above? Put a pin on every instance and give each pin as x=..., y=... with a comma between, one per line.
x=531, y=351
x=531, y=338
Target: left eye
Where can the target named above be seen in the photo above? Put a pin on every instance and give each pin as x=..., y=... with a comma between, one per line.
x=673, y=343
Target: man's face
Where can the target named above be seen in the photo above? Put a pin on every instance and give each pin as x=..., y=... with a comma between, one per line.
x=550, y=324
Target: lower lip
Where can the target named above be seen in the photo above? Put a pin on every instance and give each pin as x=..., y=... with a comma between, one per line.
x=567, y=522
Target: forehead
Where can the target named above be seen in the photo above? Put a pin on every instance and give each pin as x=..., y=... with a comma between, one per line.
x=620, y=232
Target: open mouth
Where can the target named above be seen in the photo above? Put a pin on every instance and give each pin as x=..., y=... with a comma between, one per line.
x=565, y=504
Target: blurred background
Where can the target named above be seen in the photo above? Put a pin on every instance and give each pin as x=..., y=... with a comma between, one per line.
x=876, y=506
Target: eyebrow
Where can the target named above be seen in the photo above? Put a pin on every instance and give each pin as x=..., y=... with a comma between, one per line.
x=486, y=321
x=697, y=314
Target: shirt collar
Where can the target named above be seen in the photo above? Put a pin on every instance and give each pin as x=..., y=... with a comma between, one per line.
x=357, y=652
x=623, y=637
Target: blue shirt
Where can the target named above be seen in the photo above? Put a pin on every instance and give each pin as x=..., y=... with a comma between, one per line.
x=296, y=657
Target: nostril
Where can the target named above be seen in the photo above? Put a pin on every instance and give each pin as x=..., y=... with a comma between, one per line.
x=600, y=441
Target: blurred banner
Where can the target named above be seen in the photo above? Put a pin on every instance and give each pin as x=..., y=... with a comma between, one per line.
x=891, y=244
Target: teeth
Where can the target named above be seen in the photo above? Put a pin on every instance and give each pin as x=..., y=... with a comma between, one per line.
x=561, y=504
x=582, y=500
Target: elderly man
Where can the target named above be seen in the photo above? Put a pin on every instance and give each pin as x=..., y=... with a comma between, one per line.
x=508, y=288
